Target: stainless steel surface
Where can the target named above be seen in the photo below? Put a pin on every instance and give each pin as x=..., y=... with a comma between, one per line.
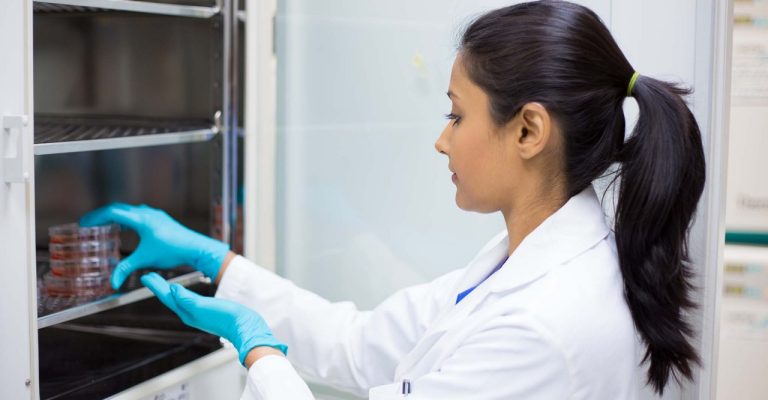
x=143, y=74
x=180, y=179
x=233, y=68
x=128, y=66
x=116, y=300
x=229, y=109
x=125, y=77
x=126, y=5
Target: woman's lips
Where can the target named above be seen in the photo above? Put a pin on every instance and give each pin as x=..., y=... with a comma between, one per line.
x=454, y=178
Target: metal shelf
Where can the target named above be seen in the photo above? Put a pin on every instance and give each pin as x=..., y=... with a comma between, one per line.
x=56, y=135
x=113, y=301
x=68, y=6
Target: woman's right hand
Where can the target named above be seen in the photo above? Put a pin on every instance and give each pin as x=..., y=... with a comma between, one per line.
x=163, y=242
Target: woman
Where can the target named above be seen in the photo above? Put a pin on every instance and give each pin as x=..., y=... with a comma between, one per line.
x=551, y=308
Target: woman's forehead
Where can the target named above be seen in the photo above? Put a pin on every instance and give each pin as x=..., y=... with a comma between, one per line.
x=460, y=86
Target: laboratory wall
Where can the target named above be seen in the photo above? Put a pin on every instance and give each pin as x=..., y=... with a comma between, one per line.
x=365, y=204
x=743, y=342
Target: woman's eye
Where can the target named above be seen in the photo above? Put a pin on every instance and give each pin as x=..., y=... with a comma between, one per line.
x=456, y=119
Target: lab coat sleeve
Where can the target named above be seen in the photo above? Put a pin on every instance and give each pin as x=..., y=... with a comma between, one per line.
x=509, y=358
x=273, y=378
x=334, y=343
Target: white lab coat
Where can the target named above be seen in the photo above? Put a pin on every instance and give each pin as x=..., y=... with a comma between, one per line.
x=552, y=323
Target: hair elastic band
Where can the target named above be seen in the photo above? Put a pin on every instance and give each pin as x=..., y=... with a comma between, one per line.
x=632, y=83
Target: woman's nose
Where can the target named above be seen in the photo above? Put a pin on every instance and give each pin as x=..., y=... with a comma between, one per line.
x=441, y=145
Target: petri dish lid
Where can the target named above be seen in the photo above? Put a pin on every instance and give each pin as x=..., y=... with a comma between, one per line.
x=73, y=232
x=90, y=266
x=53, y=281
x=87, y=247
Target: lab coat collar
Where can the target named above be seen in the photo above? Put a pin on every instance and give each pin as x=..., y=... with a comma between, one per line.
x=573, y=229
x=570, y=231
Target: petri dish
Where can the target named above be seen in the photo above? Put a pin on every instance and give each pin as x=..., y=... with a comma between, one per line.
x=85, y=267
x=73, y=232
x=53, y=303
x=79, y=286
x=80, y=250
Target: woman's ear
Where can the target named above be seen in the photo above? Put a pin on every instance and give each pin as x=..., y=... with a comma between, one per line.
x=531, y=130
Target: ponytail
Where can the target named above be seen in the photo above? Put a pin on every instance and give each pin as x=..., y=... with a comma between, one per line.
x=561, y=55
x=662, y=177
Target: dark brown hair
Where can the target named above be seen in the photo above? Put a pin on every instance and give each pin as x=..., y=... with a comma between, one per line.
x=561, y=55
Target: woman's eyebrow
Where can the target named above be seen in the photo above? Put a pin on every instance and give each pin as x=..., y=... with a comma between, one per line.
x=451, y=95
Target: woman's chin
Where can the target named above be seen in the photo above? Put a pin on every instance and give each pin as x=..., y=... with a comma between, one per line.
x=463, y=204
x=467, y=205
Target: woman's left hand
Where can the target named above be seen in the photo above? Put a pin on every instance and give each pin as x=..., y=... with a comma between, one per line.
x=243, y=327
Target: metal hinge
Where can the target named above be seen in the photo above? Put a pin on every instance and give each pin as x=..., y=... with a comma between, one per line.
x=12, y=139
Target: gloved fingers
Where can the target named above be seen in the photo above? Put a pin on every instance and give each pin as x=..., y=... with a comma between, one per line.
x=126, y=267
x=187, y=300
x=160, y=287
x=121, y=213
x=192, y=307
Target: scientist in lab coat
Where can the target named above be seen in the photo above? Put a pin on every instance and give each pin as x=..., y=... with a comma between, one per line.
x=560, y=305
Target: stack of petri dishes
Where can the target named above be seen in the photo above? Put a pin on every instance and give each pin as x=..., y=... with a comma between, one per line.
x=81, y=263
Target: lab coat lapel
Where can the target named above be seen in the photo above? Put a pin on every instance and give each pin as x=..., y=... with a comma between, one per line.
x=454, y=313
x=576, y=227
x=573, y=229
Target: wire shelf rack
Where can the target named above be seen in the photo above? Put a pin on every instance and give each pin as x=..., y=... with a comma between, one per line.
x=113, y=301
x=55, y=135
x=63, y=8
x=148, y=7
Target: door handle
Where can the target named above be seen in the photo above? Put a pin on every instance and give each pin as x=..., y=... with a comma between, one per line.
x=13, y=130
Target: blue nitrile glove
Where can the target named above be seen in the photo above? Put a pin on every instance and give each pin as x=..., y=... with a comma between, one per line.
x=164, y=243
x=243, y=327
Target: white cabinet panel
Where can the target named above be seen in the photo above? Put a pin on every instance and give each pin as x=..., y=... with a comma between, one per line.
x=17, y=310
